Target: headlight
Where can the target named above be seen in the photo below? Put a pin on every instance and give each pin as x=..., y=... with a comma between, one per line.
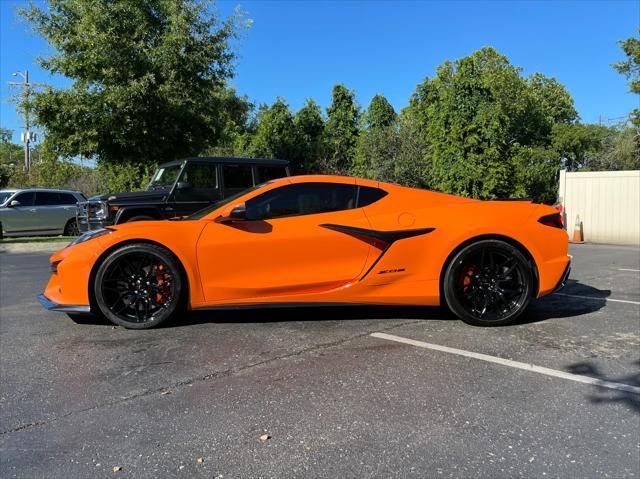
x=99, y=210
x=90, y=235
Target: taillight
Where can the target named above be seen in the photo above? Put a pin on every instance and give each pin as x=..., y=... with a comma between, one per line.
x=554, y=220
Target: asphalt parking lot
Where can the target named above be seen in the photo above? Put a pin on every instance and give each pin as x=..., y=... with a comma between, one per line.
x=192, y=399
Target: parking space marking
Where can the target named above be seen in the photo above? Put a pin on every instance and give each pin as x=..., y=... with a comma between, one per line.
x=514, y=364
x=629, y=269
x=598, y=298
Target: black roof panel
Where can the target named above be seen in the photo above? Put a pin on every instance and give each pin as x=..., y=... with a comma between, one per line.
x=223, y=160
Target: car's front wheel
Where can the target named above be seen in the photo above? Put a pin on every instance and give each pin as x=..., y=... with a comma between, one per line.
x=138, y=286
x=488, y=283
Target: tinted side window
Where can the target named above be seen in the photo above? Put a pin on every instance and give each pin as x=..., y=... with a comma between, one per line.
x=25, y=199
x=203, y=183
x=44, y=198
x=266, y=173
x=201, y=175
x=302, y=199
x=237, y=176
x=67, y=199
x=368, y=195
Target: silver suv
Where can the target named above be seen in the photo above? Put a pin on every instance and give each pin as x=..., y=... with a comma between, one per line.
x=37, y=211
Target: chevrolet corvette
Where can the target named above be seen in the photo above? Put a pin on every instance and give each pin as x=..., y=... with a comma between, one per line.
x=318, y=240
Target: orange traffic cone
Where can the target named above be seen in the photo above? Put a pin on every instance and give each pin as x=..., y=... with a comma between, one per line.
x=577, y=232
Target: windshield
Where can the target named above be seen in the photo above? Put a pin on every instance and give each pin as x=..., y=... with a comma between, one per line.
x=165, y=177
x=5, y=195
x=214, y=206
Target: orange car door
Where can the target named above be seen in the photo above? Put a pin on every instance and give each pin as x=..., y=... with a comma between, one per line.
x=282, y=249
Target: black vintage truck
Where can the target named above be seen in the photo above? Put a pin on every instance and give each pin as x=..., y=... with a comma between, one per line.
x=179, y=188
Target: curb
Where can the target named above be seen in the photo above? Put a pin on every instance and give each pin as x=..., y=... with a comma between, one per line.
x=46, y=247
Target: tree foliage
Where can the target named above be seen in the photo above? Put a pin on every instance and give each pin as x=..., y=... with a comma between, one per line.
x=309, y=128
x=148, y=77
x=477, y=114
x=342, y=130
x=275, y=134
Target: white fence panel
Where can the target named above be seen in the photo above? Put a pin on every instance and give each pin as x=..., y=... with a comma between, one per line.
x=608, y=203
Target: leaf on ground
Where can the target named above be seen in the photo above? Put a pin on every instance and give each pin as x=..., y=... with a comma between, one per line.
x=200, y=460
x=117, y=469
x=265, y=437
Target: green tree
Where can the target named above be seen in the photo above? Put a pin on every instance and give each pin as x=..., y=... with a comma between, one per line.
x=378, y=143
x=380, y=113
x=275, y=133
x=630, y=68
x=342, y=130
x=578, y=144
x=477, y=114
x=309, y=133
x=148, y=77
x=618, y=150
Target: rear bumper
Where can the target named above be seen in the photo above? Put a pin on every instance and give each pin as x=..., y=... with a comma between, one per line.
x=564, y=278
x=63, y=308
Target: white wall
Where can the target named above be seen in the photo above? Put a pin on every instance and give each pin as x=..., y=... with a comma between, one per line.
x=608, y=203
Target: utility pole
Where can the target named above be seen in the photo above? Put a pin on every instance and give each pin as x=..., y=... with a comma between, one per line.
x=27, y=135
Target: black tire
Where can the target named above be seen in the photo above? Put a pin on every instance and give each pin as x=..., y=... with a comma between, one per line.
x=139, y=218
x=488, y=283
x=71, y=228
x=139, y=286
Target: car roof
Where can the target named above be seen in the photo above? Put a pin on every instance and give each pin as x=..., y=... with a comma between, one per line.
x=227, y=160
x=44, y=190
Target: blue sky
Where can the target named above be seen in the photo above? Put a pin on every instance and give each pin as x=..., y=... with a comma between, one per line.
x=300, y=49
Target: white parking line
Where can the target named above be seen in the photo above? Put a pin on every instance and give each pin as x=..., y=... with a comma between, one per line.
x=629, y=269
x=597, y=298
x=513, y=364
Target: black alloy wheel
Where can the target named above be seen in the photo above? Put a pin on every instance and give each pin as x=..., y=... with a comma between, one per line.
x=138, y=286
x=488, y=283
x=71, y=228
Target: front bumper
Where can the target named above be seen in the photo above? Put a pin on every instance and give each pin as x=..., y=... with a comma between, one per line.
x=63, y=308
x=85, y=225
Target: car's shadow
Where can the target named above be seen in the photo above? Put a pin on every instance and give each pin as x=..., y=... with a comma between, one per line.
x=550, y=307
x=575, y=299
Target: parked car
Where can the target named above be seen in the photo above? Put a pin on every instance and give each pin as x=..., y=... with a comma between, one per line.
x=313, y=240
x=38, y=211
x=179, y=188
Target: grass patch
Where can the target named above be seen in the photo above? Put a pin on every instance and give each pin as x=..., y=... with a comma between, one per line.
x=38, y=239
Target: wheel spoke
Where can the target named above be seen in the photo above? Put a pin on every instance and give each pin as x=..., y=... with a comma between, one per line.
x=491, y=283
x=137, y=286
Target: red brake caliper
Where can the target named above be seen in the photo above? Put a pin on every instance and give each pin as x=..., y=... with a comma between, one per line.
x=160, y=281
x=467, y=276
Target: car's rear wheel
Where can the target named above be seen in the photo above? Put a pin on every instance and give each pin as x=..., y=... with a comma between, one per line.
x=488, y=283
x=71, y=228
x=138, y=286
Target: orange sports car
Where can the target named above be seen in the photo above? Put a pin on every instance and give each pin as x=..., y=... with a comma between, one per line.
x=318, y=240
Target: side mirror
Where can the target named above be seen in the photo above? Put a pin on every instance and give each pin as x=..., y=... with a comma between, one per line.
x=238, y=213
x=182, y=185
x=14, y=203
